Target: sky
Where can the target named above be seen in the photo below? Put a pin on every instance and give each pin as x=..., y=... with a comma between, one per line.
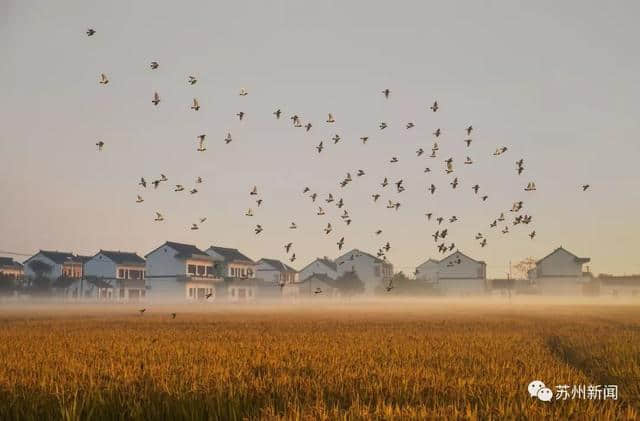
x=556, y=82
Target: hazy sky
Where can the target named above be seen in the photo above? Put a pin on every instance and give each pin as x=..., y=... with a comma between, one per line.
x=556, y=82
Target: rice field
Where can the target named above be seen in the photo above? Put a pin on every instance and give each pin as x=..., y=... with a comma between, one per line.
x=405, y=360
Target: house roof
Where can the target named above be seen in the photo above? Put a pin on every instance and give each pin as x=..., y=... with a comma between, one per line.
x=578, y=259
x=123, y=257
x=325, y=261
x=278, y=265
x=58, y=257
x=364, y=253
x=185, y=251
x=429, y=260
x=9, y=262
x=461, y=253
x=83, y=259
x=231, y=254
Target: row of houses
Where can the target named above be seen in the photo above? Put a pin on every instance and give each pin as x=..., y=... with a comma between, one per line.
x=177, y=271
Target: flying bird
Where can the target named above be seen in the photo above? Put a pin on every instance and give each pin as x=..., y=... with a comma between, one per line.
x=90, y=32
x=434, y=107
x=159, y=217
x=243, y=92
x=277, y=113
x=192, y=80
x=330, y=119
x=100, y=145
x=386, y=93
x=103, y=79
x=156, y=99
x=154, y=65
x=196, y=105
x=258, y=229
x=585, y=187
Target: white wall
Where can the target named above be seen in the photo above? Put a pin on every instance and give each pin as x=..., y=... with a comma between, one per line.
x=467, y=268
x=364, y=266
x=428, y=271
x=101, y=266
x=162, y=262
x=559, y=263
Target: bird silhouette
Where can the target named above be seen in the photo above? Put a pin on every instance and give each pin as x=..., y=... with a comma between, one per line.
x=287, y=247
x=383, y=125
x=154, y=65
x=91, y=32
x=100, y=145
x=468, y=142
x=143, y=182
x=249, y=212
x=159, y=217
x=434, y=107
x=156, y=99
x=142, y=310
x=308, y=126
x=243, y=92
x=258, y=229
x=340, y=243
x=328, y=229
x=228, y=139
x=364, y=139
x=437, y=133
x=194, y=227
x=178, y=188
x=320, y=147
x=386, y=93
x=277, y=113
x=585, y=187
x=240, y=115
x=103, y=79
x=173, y=315
x=293, y=226
x=139, y=199
x=192, y=80
x=410, y=125
x=393, y=160
x=330, y=119
x=196, y=105
x=532, y=234
x=469, y=129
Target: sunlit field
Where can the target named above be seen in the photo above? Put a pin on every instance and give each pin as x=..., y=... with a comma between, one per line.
x=413, y=360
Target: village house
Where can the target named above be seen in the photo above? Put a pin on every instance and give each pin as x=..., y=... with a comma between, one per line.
x=53, y=265
x=231, y=263
x=619, y=286
x=316, y=286
x=560, y=273
x=176, y=271
x=456, y=274
x=372, y=271
x=322, y=265
x=113, y=275
x=10, y=269
x=272, y=270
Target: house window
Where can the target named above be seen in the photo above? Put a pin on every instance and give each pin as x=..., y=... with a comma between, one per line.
x=209, y=270
x=201, y=270
x=250, y=273
x=191, y=269
x=243, y=273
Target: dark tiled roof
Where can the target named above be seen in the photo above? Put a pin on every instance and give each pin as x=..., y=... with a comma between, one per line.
x=83, y=259
x=9, y=262
x=278, y=265
x=123, y=258
x=231, y=255
x=578, y=259
x=185, y=251
x=58, y=257
x=359, y=253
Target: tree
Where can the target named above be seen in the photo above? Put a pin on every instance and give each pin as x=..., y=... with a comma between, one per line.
x=350, y=284
x=523, y=267
x=7, y=284
x=41, y=282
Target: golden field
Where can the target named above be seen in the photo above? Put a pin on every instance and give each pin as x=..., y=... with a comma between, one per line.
x=389, y=360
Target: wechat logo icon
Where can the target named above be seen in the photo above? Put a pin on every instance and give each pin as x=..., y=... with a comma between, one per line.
x=537, y=389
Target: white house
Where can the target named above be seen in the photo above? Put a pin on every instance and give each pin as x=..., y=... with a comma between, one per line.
x=176, y=272
x=124, y=272
x=272, y=270
x=373, y=272
x=560, y=273
x=60, y=264
x=231, y=263
x=456, y=274
x=321, y=265
x=315, y=287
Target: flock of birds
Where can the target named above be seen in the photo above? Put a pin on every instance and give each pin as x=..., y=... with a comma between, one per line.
x=440, y=236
